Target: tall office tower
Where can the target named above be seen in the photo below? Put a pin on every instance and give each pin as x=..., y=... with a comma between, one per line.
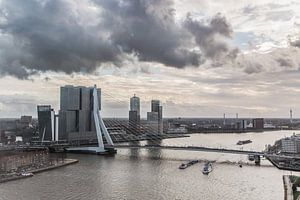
x=160, y=120
x=155, y=118
x=134, y=115
x=135, y=104
x=291, y=116
x=155, y=105
x=46, y=120
x=76, y=121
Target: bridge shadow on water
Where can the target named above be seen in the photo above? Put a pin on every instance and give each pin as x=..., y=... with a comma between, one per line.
x=153, y=154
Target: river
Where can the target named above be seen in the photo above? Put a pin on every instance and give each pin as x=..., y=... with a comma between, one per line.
x=154, y=174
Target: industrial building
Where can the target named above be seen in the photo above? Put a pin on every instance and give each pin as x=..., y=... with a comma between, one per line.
x=241, y=124
x=155, y=118
x=177, y=128
x=258, y=123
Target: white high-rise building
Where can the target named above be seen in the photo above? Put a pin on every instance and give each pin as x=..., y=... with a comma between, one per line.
x=135, y=104
x=134, y=115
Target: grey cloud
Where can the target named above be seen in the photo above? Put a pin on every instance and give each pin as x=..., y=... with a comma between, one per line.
x=249, y=9
x=253, y=68
x=206, y=36
x=47, y=36
x=285, y=62
x=57, y=35
x=295, y=43
x=148, y=29
x=16, y=103
x=283, y=15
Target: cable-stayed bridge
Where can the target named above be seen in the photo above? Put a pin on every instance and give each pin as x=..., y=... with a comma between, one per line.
x=112, y=134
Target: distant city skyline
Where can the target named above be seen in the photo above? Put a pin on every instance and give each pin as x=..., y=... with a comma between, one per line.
x=199, y=58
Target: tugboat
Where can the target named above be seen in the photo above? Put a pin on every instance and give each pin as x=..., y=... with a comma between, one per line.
x=207, y=168
x=185, y=165
x=241, y=142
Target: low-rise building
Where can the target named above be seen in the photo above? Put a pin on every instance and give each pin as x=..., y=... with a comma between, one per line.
x=258, y=123
x=177, y=128
x=291, y=144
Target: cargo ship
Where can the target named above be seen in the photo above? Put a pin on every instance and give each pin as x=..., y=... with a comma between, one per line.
x=241, y=142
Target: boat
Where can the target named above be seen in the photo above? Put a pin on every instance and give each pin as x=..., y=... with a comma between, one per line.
x=241, y=142
x=251, y=157
x=185, y=165
x=207, y=168
x=26, y=174
x=194, y=162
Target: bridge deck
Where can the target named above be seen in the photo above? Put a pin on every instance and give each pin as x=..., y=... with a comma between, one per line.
x=190, y=148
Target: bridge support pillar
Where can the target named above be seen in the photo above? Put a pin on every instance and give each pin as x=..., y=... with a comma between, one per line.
x=257, y=159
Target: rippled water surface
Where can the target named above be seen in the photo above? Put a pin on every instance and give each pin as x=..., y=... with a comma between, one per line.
x=154, y=174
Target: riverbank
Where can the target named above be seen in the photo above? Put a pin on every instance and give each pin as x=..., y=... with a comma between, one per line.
x=39, y=170
x=290, y=184
x=230, y=131
x=287, y=186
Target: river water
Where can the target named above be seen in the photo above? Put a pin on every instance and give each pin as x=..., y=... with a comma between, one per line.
x=154, y=174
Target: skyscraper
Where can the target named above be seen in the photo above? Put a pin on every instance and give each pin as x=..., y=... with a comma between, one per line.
x=135, y=104
x=134, y=115
x=76, y=120
x=46, y=122
x=155, y=105
x=155, y=117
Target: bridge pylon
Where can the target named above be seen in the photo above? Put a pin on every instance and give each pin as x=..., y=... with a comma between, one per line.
x=100, y=131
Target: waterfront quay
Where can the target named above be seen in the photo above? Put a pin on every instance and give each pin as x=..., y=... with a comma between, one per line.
x=21, y=164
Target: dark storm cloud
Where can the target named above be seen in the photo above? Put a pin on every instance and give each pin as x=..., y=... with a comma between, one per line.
x=148, y=29
x=59, y=35
x=206, y=36
x=47, y=36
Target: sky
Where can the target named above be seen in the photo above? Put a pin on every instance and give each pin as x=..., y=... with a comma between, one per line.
x=200, y=58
